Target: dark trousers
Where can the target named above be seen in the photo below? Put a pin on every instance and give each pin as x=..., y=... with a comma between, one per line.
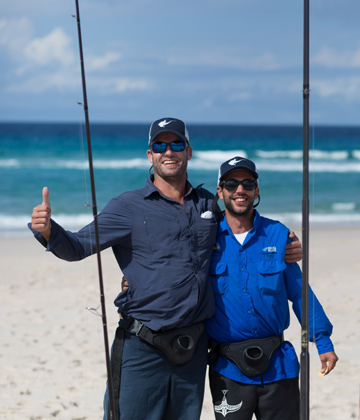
x=153, y=388
x=237, y=401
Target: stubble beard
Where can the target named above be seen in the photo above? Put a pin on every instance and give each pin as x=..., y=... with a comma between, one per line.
x=160, y=170
x=229, y=205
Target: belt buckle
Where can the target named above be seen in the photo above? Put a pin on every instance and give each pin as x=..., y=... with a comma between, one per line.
x=136, y=327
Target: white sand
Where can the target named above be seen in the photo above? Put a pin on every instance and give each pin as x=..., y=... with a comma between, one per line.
x=52, y=360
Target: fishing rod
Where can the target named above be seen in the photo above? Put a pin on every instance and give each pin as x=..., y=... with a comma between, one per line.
x=96, y=228
x=304, y=357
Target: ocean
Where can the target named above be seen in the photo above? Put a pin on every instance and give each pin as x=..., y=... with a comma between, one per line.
x=33, y=155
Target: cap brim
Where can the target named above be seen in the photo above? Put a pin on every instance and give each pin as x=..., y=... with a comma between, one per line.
x=169, y=131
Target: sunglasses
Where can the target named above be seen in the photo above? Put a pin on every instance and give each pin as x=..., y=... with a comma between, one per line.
x=232, y=184
x=175, y=146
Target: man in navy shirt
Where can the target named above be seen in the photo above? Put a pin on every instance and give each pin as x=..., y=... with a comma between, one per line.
x=162, y=237
x=253, y=369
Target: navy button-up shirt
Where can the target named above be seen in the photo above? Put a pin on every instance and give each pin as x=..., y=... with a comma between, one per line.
x=162, y=248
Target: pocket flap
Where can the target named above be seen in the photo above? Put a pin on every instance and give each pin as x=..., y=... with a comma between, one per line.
x=271, y=267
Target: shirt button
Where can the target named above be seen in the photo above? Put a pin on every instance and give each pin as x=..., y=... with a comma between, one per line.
x=249, y=312
x=244, y=290
x=242, y=269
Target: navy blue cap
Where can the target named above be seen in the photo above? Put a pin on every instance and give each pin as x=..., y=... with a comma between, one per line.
x=237, y=163
x=168, y=125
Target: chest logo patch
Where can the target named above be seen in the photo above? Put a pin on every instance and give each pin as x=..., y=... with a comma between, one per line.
x=269, y=250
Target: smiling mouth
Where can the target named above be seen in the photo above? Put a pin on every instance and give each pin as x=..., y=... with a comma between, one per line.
x=240, y=199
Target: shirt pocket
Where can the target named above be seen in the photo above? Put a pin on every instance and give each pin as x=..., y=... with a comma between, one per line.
x=271, y=276
x=206, y=232
x=218, y=273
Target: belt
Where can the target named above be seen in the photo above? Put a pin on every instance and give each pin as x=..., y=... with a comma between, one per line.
x=252, y=357
x=178, y=344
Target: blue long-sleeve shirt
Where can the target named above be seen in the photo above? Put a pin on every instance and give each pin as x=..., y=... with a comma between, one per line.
x=162, y=248
x=252, y=286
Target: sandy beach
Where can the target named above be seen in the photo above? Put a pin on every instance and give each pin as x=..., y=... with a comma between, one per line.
x=52, y=360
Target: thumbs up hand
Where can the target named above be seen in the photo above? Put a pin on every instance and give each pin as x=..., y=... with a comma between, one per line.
x=40, y=218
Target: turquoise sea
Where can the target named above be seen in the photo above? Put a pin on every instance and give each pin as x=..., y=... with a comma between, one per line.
x=34, y=155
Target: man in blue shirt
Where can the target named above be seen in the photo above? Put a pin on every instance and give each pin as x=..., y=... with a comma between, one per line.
x=162, y=237
x=253, y=369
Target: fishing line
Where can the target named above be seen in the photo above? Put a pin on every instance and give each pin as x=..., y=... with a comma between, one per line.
x=81, y=136
x=304, y=357
x=111, y=409
x=88, y=267
x=313, y=349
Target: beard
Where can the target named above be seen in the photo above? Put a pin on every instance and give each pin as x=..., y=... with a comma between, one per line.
x=171, y=173
x=239, y=211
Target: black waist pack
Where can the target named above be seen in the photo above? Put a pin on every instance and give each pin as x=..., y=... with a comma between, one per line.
x=178, y=345
x=252, y=357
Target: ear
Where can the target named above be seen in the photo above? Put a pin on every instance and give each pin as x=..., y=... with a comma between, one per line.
x=257, y=192
x=149, y=155
x=220, y=192
x=189, y=152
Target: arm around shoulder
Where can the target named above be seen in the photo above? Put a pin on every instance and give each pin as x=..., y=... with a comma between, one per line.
x=293, y=249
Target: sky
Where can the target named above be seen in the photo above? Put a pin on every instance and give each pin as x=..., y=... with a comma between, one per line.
x=204, y=61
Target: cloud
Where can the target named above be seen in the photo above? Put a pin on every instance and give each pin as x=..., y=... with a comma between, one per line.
x=113, y=85
x=345, y=87
x=14, y=34
x=330, y=58
x=230, y=59
x=53, y=48
x=100, y=63
x=45, y=81
x=48, y=62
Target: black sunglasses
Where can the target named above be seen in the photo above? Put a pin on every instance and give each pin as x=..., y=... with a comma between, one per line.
x=232, y=184
x=175, y=146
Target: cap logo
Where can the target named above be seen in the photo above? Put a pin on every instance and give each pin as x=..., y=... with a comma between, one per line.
x=164, y=123
x=234, y=161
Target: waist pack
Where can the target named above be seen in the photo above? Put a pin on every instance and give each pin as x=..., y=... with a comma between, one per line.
x=252, y=357
x=178, y=345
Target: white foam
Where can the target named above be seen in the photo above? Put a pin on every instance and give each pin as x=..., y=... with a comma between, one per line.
x=10, y=163
x=324, y=219
x=343, y=206
x=297, y=154
x=273, y=161
x=17, y=225
x=8, y=221
x=275, y=154
x=356, y=154
x=219, y=156
x=104, y=164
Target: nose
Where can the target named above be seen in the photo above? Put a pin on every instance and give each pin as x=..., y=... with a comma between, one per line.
x=240, y=189
x=168, y=150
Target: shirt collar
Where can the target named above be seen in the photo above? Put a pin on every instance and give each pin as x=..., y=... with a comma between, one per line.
x=151, y=189
x=224, y=227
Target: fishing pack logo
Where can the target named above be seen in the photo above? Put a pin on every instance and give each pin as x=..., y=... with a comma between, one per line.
x=224, y=408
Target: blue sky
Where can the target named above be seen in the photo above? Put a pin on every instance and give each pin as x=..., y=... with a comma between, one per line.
x=214, y=61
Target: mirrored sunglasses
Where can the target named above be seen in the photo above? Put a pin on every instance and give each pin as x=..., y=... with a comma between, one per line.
x=175, y=146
